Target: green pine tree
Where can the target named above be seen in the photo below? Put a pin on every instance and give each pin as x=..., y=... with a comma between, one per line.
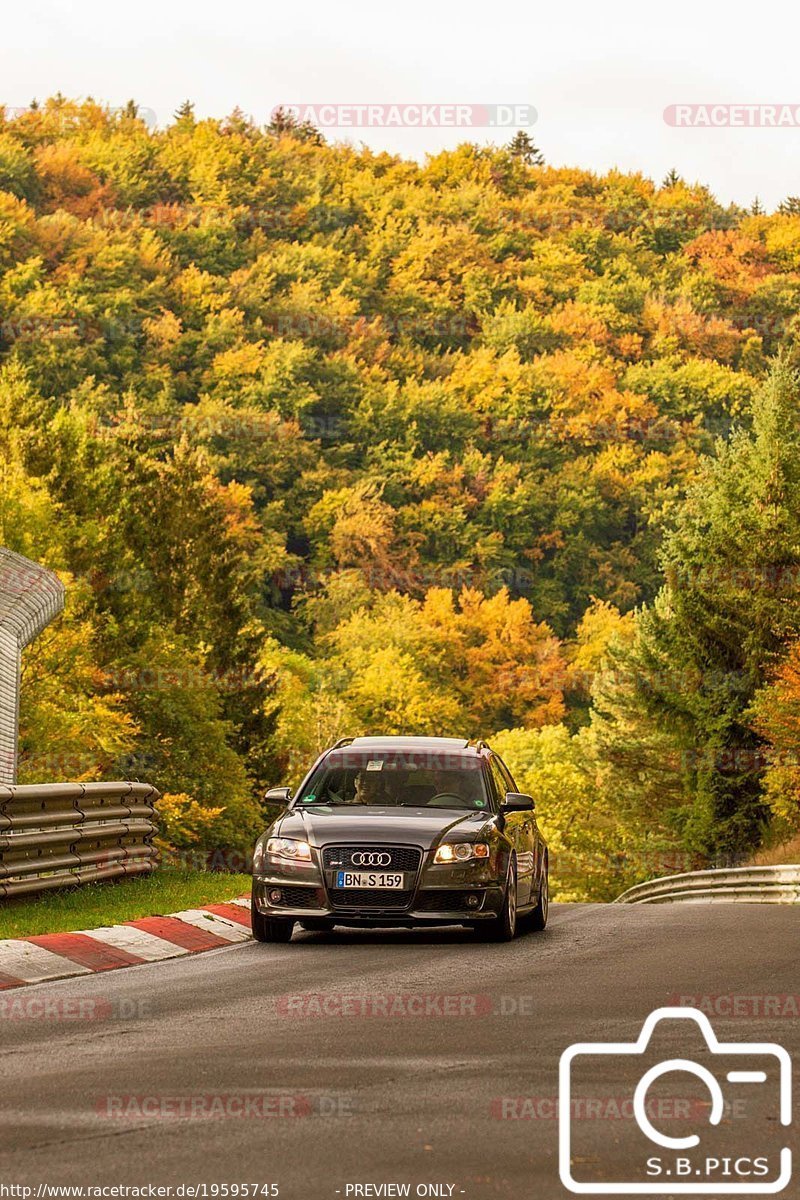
x=184, y=115
x=284, y=123
x=523, y=146
x=672, y=716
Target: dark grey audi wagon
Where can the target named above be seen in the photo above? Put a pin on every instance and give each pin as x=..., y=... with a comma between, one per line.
x=402, y=831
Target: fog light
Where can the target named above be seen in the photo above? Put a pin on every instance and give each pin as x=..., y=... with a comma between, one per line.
x=473, y=901
x=275, y=896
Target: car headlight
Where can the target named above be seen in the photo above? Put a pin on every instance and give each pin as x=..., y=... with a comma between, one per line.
x=289, y=848
x=458, y=852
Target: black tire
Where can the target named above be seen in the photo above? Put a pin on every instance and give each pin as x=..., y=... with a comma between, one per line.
x=503, y=927
x=537, y=920
x=268, y=929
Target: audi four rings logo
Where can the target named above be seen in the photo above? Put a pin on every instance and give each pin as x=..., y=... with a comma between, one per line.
x=362, y=859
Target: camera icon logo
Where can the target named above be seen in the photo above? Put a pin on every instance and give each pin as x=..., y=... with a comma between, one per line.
x=655, y=1149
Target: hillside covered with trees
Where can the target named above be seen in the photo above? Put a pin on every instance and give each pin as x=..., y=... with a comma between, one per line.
x=327, y=442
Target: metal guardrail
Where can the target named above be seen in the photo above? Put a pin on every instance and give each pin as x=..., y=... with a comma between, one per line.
x=30, y=597
x=753, y=885
x=56, y=834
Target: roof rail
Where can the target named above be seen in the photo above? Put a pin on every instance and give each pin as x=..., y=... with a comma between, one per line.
x=480, y=744
x=345, y=741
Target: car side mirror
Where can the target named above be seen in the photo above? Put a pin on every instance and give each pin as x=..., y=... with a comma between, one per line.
x=278, y=795
x=518, y=802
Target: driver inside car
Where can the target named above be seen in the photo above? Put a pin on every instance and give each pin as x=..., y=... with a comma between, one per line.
x=370, y=789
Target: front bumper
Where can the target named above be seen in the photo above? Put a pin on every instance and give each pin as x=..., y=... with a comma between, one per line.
x=441, y=894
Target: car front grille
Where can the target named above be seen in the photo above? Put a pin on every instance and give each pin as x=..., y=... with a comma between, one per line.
x=402, y=858
x=383, y=898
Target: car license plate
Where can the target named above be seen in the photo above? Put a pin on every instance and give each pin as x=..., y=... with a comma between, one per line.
x=369, y=879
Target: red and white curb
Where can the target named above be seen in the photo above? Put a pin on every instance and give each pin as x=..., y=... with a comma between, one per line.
x=149, y=939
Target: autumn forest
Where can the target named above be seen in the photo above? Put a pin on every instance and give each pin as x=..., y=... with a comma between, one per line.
x=328, y=442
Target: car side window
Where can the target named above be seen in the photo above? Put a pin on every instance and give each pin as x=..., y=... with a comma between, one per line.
x=500, y=784
x=505, y=775
x=491, y=785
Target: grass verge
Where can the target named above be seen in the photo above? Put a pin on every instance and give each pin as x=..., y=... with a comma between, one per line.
x=165, y=891
x=787, y=853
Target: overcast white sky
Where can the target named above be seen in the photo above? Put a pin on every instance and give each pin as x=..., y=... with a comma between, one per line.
x=599, y=74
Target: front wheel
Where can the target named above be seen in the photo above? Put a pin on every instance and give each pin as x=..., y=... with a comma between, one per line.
x=503, y=927
x=268, y=929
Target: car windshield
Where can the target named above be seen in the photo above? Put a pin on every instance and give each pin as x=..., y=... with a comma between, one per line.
x=399, y=779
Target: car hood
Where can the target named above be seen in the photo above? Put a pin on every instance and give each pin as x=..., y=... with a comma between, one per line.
x=419, y=826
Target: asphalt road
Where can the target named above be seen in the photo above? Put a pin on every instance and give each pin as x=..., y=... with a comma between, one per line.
x=460, y=1096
